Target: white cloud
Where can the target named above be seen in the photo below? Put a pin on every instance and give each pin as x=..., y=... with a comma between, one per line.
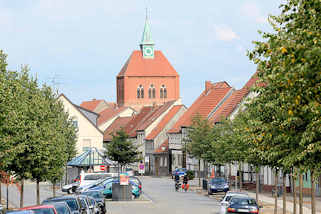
x=225, y=33
x=251, y=10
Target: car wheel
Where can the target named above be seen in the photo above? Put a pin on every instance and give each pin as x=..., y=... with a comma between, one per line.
x=209, y=192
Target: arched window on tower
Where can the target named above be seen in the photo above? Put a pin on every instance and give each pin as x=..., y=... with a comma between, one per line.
x=140, y=92
x=163, y=92
x=151, y=92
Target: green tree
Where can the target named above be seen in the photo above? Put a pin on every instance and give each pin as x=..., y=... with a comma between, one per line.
x=288, y=110
x=199, y=140
x=122, y=150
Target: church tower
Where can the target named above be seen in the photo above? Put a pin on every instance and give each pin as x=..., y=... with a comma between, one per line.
x=147, y=78
x=147, y=43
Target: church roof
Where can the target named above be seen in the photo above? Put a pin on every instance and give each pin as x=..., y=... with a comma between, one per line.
x=136, y=65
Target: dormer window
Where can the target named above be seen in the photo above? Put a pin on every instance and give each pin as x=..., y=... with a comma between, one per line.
x=163, y=92
x=151, y=92
x=140, y=92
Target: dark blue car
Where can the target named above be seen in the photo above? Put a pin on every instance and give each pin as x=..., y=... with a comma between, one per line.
x=217, y=185
x=180, y=172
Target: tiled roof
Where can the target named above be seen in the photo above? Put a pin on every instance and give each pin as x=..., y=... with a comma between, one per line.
x=157, y=112
x=163, y=145
x=136, y=65
x=119, y=123
x=91, y=105
x=166, y=119
x=132, y=125
x=233, y=101
x=203, y=106
x=109, y=113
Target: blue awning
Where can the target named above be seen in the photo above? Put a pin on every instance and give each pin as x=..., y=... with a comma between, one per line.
x=92, y=157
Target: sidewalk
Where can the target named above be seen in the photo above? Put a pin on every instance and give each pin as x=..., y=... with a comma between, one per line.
x=267, y=200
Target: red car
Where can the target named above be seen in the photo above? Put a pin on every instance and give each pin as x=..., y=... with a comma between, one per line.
x=42, y=209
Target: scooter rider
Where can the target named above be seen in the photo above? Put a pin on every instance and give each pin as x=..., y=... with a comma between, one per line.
x=185, y=182
x=177, y=182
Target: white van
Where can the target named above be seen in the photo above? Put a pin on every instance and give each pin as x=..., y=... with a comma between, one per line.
x=90, y=178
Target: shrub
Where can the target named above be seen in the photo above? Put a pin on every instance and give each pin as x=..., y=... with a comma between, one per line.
x=190, y=174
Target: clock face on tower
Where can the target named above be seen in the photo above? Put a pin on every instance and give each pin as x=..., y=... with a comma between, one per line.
x=148, y=51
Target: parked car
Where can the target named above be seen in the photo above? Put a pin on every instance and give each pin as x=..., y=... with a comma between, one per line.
x=89, y=178
x=100, y=182
x=86, y=203
x=226, y=200
x=106, y=188
x=244, y=205
x=70, y=188
x=72, y=201
x=61, y=207
x=41, y=209
x=217, y=185
x=130, y=172
x=99, y=198
x=179, y=171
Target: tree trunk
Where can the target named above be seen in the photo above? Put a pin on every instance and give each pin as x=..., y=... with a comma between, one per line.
x=0, y=190
x=199, y=172
x=284, y=193
x=236, y=181
x=66, y=180
x=229, y=172
x=301, y=194
x=312, y=193
x=38, y=192
x=240, y=177
x=294, y=192
x=204, y=170
x=257, y=182
x=54, y=189
x=276, y=192
x=21, y=193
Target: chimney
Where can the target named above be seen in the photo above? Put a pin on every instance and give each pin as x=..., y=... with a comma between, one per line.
x=208, y=85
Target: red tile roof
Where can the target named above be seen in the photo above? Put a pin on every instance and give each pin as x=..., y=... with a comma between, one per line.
x=136, y=65
x=204, y=105
x=233, y=101
x=160, y=148
x=91, y=105
x=132, y=125
x=166, y=119
x=146, y=117
x=109, y=113
x=119, y=123
x=157, y=112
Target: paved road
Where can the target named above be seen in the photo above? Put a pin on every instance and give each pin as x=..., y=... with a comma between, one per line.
x=164, y=199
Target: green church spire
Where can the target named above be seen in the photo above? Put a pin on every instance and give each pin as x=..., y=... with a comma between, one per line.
x=147, y=43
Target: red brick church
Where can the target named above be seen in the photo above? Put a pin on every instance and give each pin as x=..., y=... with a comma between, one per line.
x=147, y=78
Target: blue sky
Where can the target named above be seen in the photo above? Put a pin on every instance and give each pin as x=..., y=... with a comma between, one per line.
x=81, y=45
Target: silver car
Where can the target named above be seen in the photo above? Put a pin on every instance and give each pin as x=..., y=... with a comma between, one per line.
x=226, y=200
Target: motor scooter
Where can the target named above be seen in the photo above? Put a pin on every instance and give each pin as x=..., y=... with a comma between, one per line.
x=177, y=185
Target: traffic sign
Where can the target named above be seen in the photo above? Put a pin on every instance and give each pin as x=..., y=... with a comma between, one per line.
x=102, y=167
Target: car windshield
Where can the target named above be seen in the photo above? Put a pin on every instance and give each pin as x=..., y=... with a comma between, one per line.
x=243, y=201
x=61, y=209
x=72, y=203
x=218, y=181
x=44, y=211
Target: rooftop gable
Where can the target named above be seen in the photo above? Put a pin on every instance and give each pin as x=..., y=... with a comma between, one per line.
x=78, y=109
x=166, y=119
x=204, y=105
x=109, y=113
x=136, y=65
x=118, y=124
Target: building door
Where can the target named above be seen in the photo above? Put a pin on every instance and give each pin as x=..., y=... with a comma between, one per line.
x=156, y=166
